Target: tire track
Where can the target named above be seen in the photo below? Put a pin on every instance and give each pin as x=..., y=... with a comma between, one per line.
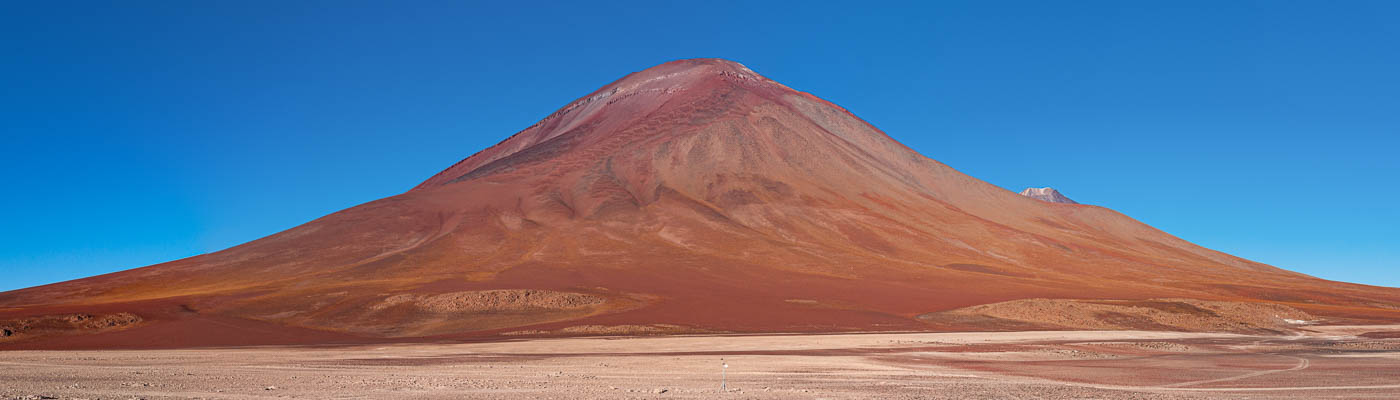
x=1303, y=364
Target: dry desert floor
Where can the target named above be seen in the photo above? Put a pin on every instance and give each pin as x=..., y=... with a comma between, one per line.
x=1328, y=362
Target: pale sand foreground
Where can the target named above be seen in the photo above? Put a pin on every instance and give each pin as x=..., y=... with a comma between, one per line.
x=1151, y=365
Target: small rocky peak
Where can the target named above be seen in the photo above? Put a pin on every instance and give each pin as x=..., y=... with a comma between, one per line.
x=1047, y=194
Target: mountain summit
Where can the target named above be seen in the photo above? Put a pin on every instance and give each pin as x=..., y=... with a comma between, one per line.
x=1047, y=194
x=694, y=196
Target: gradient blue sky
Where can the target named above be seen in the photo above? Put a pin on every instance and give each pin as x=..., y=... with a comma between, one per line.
x=137, y=132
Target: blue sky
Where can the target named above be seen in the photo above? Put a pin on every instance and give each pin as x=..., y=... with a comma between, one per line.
x=142, y=132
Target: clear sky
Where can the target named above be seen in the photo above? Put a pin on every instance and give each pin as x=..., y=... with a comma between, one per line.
x=137, y=132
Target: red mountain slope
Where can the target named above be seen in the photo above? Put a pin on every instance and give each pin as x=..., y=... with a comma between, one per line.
x=693, y=196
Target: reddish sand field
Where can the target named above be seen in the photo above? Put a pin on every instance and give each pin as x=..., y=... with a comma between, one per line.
x=1330, y=362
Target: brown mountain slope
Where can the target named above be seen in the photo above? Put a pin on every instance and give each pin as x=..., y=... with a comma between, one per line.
x=693, y=196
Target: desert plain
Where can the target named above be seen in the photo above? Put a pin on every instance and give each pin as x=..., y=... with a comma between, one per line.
x=1320, y=362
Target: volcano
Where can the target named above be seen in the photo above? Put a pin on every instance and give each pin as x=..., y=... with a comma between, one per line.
x=695, y=196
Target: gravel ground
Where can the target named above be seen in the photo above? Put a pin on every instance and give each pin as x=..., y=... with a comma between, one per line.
x=1047, y=365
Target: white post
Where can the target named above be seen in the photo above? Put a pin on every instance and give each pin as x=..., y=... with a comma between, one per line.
x=723, y=379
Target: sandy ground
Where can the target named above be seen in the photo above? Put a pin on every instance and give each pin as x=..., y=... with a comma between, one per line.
x=1328, y=363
